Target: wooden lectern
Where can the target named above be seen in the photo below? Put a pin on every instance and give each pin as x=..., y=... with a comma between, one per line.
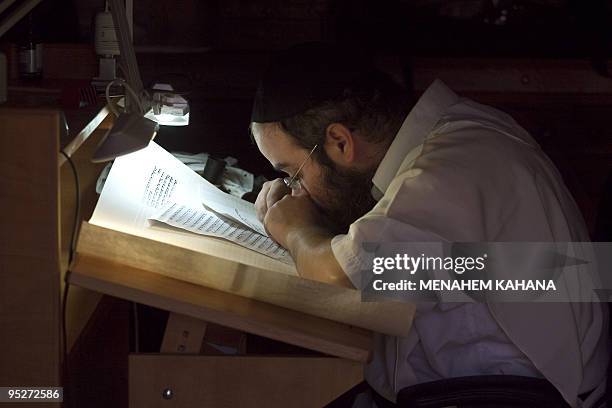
x=37, y=203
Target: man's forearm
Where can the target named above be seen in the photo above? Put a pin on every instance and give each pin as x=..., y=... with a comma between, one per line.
x=314, y=258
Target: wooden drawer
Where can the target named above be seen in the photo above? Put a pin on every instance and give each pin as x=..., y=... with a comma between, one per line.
x=238, y=381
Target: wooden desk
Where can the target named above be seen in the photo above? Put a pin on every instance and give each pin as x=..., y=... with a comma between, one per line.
x=229, y=381
x=37, y=205
x=229, y=310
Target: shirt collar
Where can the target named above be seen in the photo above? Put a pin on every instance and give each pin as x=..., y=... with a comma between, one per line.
x=417, y=125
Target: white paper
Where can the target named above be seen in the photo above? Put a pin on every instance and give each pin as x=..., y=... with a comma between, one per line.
x=234, y=208
x=140, y=184
x=204, y=222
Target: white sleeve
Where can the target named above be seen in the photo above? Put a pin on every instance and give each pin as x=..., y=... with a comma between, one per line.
x=356, y=261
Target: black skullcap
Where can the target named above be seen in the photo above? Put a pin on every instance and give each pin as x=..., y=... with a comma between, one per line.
x=304, y=76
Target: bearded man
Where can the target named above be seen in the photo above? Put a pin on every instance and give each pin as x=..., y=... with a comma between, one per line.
x=365, y=163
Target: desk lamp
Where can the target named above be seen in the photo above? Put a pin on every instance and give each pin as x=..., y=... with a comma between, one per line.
x=131, y=131
x=169, y=108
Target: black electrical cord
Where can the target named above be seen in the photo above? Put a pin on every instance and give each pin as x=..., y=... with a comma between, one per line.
x=72, y=248
x=77, y=212
x=65, y=341
x=136, y=328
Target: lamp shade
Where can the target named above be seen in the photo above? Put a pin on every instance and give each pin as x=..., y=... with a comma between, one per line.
x=131, y=132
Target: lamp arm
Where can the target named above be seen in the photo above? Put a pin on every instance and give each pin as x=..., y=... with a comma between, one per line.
x=112, y=106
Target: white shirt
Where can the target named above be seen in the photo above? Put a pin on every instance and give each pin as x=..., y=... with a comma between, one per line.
x=459, y=171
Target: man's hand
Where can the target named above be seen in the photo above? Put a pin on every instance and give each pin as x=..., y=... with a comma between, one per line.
x=295, y=222
x=291, y=215
x=270, y=193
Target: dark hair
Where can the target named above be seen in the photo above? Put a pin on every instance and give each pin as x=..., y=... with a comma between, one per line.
x=374, y=108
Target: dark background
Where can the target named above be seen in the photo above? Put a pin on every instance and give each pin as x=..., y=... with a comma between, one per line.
x=217, y=49
x=226, y=45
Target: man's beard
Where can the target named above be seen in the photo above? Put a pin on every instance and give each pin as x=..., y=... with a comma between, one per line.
x=348, y=196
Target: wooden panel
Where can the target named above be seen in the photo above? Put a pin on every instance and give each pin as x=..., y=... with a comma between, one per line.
x=82, y=61
x=183, y=334
x=35, y=225
x=511, y=75
x=285, y=290
x=29, y=248
x=239, y=381
x=81, y=302
x=225, y=309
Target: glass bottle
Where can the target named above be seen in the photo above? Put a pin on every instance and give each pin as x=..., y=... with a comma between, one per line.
x=30, y=53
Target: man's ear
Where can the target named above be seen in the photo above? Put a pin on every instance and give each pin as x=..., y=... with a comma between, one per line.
x=340, y=144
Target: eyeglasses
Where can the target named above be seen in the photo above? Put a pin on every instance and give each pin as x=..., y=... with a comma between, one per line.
x=293, y=182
